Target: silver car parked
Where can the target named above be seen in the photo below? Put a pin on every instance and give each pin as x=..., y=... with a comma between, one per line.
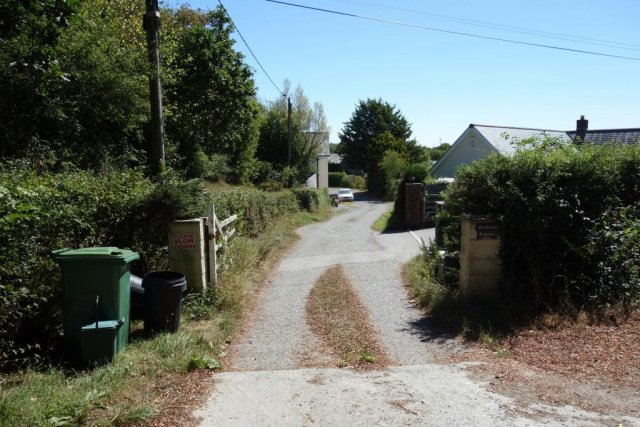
x=345, y=194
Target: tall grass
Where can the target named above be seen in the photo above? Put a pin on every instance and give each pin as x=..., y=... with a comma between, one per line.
x=448, y=310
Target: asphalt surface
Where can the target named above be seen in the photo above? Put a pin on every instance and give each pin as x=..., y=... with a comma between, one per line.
x=280, y=374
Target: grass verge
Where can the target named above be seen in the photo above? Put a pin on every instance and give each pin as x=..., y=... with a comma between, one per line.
x=335, y=313
x=388, y=221
x=157, y=381
x=557, y=344
x=445, y=307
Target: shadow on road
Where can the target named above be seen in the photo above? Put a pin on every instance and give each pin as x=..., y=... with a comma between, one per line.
x=365, y=196
x=426, y=331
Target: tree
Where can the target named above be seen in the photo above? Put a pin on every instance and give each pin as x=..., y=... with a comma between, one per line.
x=71, y=82
x=376, y=127
x=74, y=87
x=212, y=110
x=30, y=72
x=435, y=153
x=309, y=128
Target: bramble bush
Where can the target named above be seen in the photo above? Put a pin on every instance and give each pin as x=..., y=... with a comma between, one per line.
x=569, y=218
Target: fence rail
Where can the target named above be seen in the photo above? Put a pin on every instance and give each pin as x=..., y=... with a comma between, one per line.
x=215, y=232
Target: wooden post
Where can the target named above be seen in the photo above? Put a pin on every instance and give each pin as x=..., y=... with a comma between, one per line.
x=151, y=24
x=213, y=261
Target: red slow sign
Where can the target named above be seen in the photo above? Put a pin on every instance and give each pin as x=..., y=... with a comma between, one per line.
x=184, y=241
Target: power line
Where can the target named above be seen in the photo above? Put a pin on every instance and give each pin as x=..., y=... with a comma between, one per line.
x=247, y=45
x=501, y=27
x=352, y=15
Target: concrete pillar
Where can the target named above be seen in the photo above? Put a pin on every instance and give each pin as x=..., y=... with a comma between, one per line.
x=480, y=266
x=414, y=206
x=323, y=171
x=187, y=252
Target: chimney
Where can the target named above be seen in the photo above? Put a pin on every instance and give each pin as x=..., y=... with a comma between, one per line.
x=582, y=126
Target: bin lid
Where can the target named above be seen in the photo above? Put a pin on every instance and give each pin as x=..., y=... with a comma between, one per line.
x=110, y=254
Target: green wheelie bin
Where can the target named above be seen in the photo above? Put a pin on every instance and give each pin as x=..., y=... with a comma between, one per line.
x=96, y=300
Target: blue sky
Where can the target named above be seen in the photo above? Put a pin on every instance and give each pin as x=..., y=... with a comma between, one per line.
x=443, y=82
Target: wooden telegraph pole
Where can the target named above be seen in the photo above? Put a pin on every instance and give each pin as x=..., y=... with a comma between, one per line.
x=289, y=128
x=150, y=23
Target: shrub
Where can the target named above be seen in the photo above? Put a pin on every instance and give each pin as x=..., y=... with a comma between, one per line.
x=568, y=214
x=265, y=172
x=425, y=285
x=339, y=179
x=213, y=168
x=611, y=261
x=417, y=172
x=358, y=182
x=393, y=166
x=270, y=186
x=312, y=199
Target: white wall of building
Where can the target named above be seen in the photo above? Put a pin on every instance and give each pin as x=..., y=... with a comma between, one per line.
x=469, y=147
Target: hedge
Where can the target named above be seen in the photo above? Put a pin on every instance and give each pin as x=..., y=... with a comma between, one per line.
x=73, y=208
x=570, y=224
x=311, y=199
x=339, y=179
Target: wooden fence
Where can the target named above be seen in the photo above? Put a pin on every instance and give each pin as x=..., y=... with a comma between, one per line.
x=219, y=234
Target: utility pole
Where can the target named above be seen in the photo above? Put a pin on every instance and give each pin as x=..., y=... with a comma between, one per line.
x=289, y=128
x=150, y=23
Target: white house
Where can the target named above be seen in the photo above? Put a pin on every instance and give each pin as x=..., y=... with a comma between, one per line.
x=478, y=141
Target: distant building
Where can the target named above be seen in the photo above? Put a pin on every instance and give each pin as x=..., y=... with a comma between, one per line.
x=335, y=158
x=478, y=141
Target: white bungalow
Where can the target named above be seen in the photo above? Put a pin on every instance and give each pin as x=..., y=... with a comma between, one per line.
x=478, y=141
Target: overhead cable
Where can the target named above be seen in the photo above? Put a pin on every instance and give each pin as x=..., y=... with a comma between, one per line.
x=370, y=18
x=247, y=45
x=501, y=27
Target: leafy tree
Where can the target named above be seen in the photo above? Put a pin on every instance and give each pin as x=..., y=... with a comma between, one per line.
x=105, y=99
x=436, y=153
x=29, y=71
x=73, y=82
x=211, y=103
x=74, y=87
x=376, y=127
x=309, y=128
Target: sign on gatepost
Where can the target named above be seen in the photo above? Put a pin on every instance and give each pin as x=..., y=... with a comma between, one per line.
x=184, y=241
x=187, y=252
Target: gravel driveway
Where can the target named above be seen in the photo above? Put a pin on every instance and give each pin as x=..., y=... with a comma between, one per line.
x=280, y=375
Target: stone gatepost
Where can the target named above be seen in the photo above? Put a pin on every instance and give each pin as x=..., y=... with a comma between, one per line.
x=323, y=171
x=187, y=252
x=414, y=206
x=480, y=266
